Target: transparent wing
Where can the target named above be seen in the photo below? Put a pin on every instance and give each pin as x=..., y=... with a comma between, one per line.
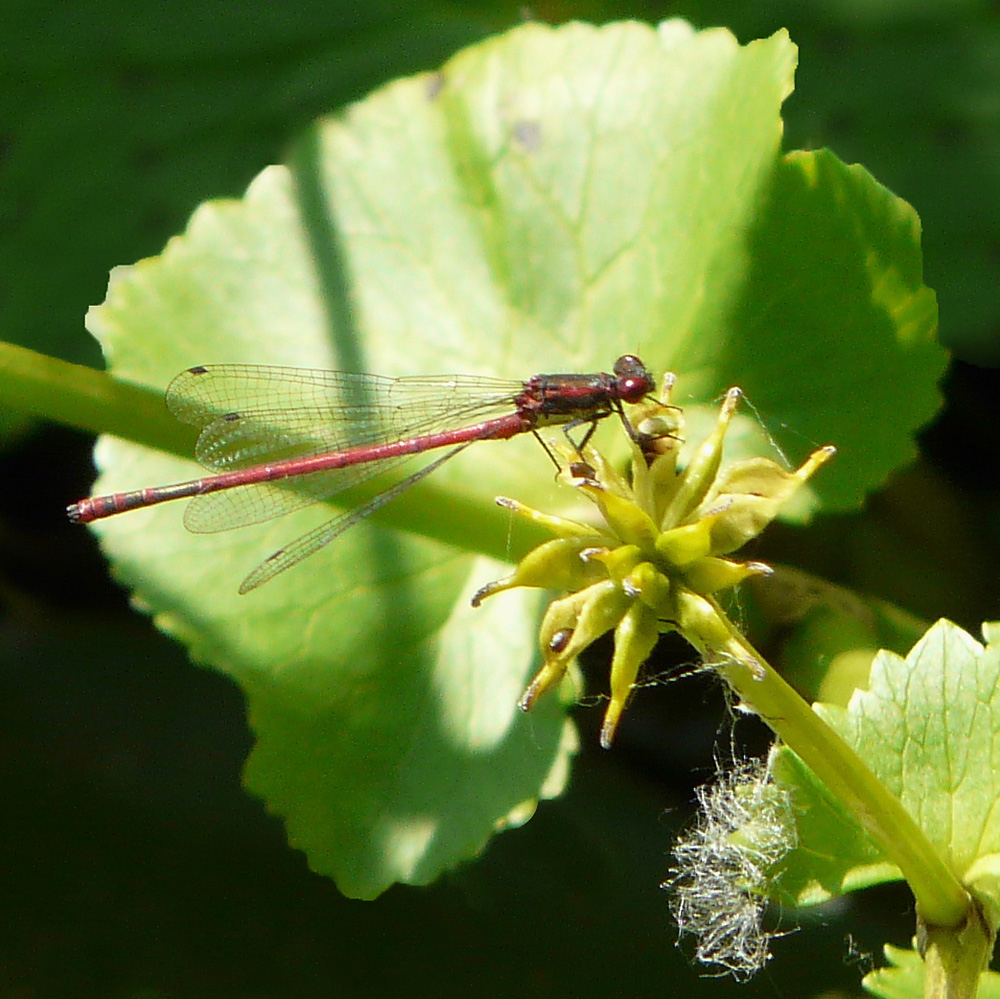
x=249, y=412
x=241, y=506
x=255, y=414
x=304, y=546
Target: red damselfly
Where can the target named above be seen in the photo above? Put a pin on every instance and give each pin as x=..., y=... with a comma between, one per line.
x=279, y=439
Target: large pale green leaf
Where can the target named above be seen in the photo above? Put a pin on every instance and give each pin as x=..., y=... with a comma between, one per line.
x=550, y=199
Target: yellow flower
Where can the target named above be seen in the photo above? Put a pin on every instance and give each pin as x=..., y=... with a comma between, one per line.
x=658, y=561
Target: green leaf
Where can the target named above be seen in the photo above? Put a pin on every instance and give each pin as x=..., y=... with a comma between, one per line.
x=909, y=104
x=905, y=978
x=834, y=855
x=549, y=200
x=927, y=727
x=392, y=768
x=832, y=312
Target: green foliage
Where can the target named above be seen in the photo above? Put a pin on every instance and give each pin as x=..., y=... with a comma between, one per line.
x=549, y=200
x=909, y=88
x=904, y=977
x=646, y=211
x=927, y=726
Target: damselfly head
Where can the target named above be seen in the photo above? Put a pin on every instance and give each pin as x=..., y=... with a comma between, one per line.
x=632, y=378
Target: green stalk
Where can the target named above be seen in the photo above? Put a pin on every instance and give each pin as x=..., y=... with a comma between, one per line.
x=92, y=400
x=941, y=899
x=955, y=958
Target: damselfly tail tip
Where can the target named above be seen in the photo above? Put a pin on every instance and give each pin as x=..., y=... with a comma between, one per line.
x=75, y=513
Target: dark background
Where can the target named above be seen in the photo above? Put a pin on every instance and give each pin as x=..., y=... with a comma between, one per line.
x=132, y=864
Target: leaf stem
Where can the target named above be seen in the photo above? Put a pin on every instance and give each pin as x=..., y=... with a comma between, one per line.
x=955, y=958
x=92, y=400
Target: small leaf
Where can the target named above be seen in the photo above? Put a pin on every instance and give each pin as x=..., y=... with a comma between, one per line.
x=927, y=726
x=904, y=979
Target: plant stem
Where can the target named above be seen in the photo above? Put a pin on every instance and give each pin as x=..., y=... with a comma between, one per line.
x=941, y=899
x=92, y=400
x=955, y=958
